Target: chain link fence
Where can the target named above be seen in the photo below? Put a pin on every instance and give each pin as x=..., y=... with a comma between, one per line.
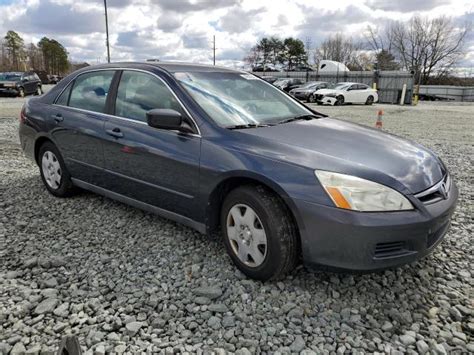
x=389, y=83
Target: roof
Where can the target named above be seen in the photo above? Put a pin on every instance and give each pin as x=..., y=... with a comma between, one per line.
x=169, y=66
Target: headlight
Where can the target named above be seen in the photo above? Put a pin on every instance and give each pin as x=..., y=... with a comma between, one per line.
x=330, y=95
x=353, y=193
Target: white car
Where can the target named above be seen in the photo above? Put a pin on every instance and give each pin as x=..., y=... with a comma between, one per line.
x=342, y=93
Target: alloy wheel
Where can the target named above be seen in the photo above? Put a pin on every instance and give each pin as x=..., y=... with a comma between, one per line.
x=246, y=235
x=51, y=169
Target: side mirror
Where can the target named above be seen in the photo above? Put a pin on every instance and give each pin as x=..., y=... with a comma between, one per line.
x=167, y=119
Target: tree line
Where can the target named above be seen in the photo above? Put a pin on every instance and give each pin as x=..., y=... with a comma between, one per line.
x=430, y=48
x=48, y=55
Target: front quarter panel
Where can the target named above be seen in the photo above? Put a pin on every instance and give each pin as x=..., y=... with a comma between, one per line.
x=223, y=160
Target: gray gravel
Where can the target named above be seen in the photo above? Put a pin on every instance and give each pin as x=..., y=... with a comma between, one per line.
x=123, y=280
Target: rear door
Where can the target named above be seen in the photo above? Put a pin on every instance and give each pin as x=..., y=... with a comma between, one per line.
x=363, y=93
x=155, y=166
x=79, y=116
x=28, y=83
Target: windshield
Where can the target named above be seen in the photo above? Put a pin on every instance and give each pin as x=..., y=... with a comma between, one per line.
x=232, y=99
x=10, y=76
x=339, y=86
x=309, y=85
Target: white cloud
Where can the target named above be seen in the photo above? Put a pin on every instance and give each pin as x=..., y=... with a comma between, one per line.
x=183, y=29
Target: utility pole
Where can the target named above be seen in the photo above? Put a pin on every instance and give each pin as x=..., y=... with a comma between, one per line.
x=107, y=32
x=214, y=49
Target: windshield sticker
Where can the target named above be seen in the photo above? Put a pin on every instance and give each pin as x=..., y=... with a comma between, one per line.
x=248, y=76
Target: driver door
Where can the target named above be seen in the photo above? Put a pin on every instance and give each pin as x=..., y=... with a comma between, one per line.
x=155, y=166
x=351, y=95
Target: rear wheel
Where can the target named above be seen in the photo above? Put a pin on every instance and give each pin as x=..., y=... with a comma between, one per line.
x=370, y=100
x=53, y=171
x=38, y=91
x=21, y=92
x=312, y=98
x=339, y=100
x=259, y=233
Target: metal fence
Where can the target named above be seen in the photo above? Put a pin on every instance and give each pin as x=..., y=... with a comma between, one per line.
x=389, y=83
x=447, y=92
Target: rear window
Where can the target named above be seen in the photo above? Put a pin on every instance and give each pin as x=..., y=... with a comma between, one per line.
x=90, y=90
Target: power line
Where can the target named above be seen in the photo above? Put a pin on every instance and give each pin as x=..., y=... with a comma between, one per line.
x=107, y=32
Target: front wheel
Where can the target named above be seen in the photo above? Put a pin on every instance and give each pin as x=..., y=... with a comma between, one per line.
x=38, y=91
x=339, y=100
x=259, y=233
x=312, y=98
x=21, y=92
x=53, y=171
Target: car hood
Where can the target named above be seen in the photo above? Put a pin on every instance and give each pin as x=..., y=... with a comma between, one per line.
x=8, y=82
x=328, y=91
x=340, y=146
x=302, y=90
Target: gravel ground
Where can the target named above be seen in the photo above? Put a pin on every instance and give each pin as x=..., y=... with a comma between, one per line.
x=123, y=280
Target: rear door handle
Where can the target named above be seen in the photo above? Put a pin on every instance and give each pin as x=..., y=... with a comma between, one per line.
x=116, y=132
x=58, y=117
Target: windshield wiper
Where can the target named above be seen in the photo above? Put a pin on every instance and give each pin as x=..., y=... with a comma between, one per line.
x=247, y=125
x=305, y=117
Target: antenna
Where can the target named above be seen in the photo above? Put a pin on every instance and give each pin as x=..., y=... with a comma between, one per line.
x=214, y=49
x=107, y=32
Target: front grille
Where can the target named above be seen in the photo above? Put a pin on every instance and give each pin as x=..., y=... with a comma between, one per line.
x=439, y=191
x=390, y=250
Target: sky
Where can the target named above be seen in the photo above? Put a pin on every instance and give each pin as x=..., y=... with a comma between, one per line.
x=183, y=29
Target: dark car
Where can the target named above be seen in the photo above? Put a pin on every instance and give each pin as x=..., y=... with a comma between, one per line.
x=222, y=150
x=307, y=91
x=287, y=84
x=269, y=79
x=20, y=83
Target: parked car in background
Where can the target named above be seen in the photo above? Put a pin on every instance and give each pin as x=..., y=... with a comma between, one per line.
x=286, y=84
x=306, y=91
x=221, y=150
x=301, y=68
x=269, y=79
x=266, y=68
x=20, y=83
x=343, y=93
x=54, y=79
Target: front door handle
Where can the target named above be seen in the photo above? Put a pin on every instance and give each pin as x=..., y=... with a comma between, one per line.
x=58, y=117
x=116, y=132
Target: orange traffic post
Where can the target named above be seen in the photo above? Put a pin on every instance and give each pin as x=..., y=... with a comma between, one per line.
x=379, y=123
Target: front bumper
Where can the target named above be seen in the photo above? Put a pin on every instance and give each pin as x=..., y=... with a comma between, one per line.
x=8, y=91
x=328, y=100
x=363, y=241
x=300, y=95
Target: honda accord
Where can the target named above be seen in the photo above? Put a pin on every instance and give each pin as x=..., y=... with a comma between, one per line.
x=221, y=150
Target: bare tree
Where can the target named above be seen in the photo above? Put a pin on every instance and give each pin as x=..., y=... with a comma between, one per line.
x=426, y=46
x=337, y=48
x=344, y=50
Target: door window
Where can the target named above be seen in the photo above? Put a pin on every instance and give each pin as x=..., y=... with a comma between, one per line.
x=140, y=92
x=64, y=97
x=90, y=90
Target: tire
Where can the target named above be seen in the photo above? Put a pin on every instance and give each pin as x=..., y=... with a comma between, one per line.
x=53, y=171
x=339, y=101
x=39, y=91
x=312, y=99
x=21, y=92
x=280, y=253
x=370, y=100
